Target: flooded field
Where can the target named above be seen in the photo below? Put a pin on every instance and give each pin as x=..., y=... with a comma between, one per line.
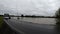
x=38, y=20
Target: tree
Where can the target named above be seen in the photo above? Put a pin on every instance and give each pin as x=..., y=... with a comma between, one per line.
x=58, y=17
x=58, y=13
x=22, y=15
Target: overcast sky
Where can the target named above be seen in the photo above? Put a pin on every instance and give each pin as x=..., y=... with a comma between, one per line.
x=29, y=7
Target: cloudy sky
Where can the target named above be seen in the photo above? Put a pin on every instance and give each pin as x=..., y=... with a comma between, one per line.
x=29, y=7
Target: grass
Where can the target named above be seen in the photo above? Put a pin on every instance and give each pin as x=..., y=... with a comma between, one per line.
x=1, y=21
x=4, y=28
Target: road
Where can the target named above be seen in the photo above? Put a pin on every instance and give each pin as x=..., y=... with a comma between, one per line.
x=24, y=27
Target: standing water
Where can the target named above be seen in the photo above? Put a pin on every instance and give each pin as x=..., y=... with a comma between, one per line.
x=38, y=20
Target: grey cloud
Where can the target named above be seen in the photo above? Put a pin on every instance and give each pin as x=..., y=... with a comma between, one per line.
x=30, y=7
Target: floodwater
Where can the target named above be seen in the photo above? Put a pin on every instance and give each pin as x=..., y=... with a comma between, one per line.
x=38, y=20
x=7, y=30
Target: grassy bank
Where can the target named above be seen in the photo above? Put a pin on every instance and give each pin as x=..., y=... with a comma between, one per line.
x=4, y=28
x=1, y=21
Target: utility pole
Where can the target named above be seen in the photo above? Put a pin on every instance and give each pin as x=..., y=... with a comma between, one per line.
x=17, y=9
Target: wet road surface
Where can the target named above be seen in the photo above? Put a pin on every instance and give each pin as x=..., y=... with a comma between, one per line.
x=24, y=27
